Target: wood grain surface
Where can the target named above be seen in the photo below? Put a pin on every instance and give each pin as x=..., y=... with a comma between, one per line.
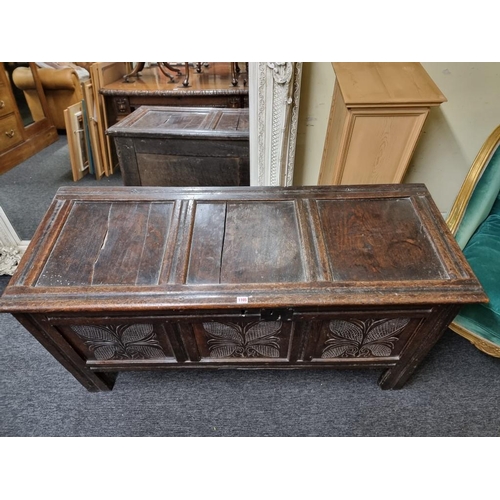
x=317, y=246
x=138, y=278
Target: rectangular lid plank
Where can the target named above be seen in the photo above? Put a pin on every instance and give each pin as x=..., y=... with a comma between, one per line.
x=72, y=259
x=206, y=243
x=109, y=244
x=262, y=244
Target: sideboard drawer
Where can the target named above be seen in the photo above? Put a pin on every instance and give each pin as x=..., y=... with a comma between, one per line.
x=10, y=134
x=6, y=104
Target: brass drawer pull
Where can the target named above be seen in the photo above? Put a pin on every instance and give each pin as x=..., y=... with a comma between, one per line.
x=2, y=104
x=11, y=133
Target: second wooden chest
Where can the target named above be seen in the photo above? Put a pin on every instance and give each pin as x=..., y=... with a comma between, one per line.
x=180, y=146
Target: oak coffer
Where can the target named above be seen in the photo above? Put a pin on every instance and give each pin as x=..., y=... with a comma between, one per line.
x=183, y=146
x=245, y=277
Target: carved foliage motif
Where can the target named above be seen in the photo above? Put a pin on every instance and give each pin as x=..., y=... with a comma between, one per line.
x=361, y=339
x=281, y=71
x=9, y=260
x=250, y=340
x=120, y=341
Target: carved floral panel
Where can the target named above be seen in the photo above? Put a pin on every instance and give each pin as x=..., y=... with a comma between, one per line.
x=361, y=339
x=260, y=339
x=117, y=342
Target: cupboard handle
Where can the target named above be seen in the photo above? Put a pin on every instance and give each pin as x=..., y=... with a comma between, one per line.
x=2, y=104
x=10, y=134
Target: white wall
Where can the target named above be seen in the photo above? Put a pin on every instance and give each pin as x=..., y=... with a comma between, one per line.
x=315, y=101
x=450, y=140
x=454, y=133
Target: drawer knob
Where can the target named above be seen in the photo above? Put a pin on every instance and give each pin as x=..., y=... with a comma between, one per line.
x=11, y=133
x=2, y=104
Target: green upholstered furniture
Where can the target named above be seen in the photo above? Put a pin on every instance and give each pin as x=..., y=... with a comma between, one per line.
x=475, y=221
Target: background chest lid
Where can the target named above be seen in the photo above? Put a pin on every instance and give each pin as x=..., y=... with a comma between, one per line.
x=169, y=121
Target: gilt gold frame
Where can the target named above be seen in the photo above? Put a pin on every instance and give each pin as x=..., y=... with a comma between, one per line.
x=455, y=217
x=482, y=344
x=457, y=211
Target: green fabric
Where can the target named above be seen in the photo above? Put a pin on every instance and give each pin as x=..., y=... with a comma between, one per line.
x=481, y=201
x=483, y=254
x=495, y=209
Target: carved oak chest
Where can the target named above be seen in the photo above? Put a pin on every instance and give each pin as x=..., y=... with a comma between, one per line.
x=172, y=146
x=159, y=278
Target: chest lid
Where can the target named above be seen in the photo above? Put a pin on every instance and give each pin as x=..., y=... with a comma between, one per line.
x=169, y=121
x=129, y=248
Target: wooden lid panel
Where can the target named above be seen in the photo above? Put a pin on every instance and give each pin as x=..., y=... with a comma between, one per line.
x=262, y=244
x=233, y=121
x=373, y=240
x=243, y=243
x=165, y=121
x=109, y=244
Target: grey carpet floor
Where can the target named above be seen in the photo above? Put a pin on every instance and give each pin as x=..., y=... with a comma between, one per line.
x=455, y=392
x=27, y=190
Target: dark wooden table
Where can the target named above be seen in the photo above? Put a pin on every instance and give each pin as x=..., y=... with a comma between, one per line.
x=158, y=278
x=212, y=88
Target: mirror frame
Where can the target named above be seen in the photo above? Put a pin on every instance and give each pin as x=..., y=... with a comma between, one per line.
x=274, y=97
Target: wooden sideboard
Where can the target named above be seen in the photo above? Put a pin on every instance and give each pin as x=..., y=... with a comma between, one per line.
x=212, y=88
x=20, y=135
x=377, y=114
x=136, y=278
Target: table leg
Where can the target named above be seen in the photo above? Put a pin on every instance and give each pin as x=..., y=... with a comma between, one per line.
x=417, y=348
x=135, y=72
x=163, y=65
x=172, y=68
x=185, y=83
x=51, y=339
x=234, y=72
